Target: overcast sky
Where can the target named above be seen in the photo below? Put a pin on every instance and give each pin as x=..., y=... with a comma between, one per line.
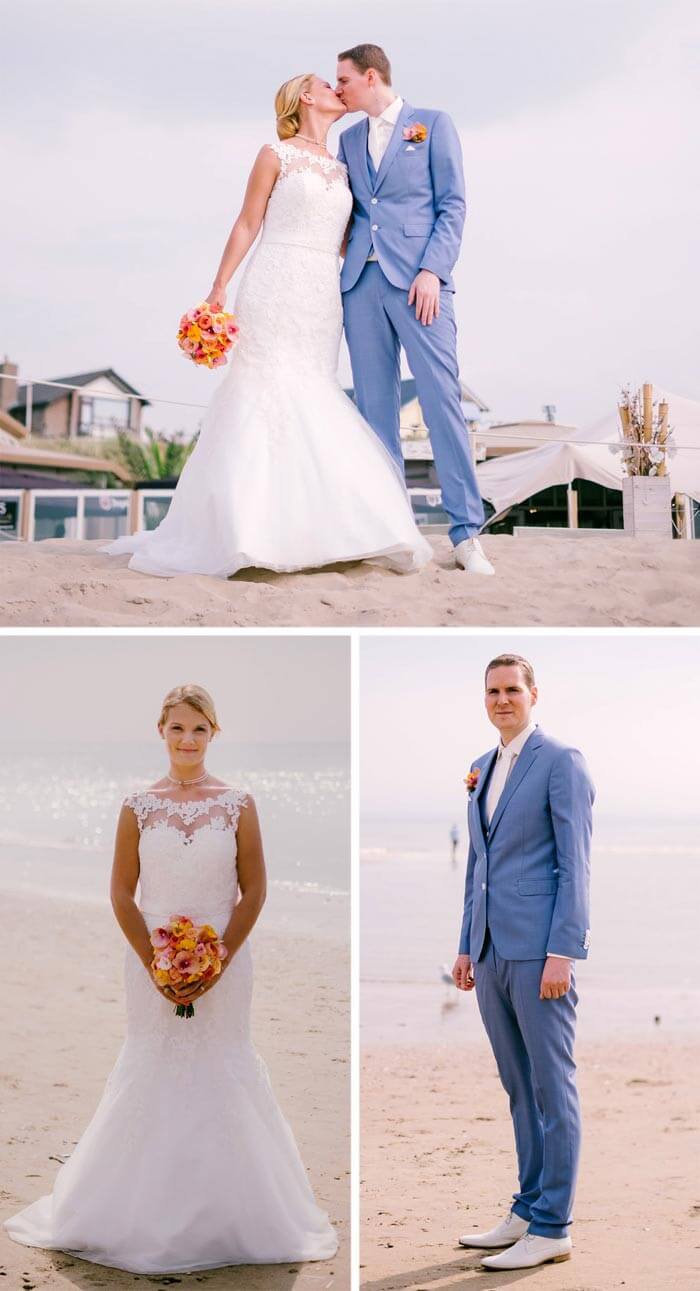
x=108, y=689
x=631, y=703
x=134, y=123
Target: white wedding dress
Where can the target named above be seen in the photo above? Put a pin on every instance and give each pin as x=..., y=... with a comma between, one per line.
x=188, y=1162
x=286, y=474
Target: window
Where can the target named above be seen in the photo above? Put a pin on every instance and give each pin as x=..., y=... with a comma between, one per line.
x=55, y=516
x=102, y=417
x=79, y=513
x=106, y=516
x=155, y=507
x=10, y=514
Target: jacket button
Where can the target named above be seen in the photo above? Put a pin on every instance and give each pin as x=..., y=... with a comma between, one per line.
x=374, y=201
x=374, y=228
x=483, y=887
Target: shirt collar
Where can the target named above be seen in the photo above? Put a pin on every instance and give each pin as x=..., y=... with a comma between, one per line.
x=516, y=746
x=391, y=114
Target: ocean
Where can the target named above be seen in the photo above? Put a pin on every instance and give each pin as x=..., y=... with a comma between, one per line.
x=641, y=977
x=59, y=807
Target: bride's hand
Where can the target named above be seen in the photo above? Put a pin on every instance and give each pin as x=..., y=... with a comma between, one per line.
x=217, y=298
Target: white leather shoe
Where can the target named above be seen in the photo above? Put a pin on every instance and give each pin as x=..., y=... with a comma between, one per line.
x=530, y=1251
x=469, y=554
x=504, y=1234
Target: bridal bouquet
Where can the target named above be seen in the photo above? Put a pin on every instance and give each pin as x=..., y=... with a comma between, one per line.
x=206, y=336
x=184, y=953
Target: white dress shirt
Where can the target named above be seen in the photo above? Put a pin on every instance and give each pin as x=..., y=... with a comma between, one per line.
x=381, y=129
x=505, y=761
x=507, y=754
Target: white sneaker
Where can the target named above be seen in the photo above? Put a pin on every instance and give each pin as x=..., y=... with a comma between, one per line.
x=469, y=554
x=504, y=1234
x=530, y=1251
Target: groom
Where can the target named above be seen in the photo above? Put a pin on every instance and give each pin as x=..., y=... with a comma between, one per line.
x=405, y=171
x=525, y=921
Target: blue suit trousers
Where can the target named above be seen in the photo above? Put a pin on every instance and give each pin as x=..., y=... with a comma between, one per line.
x=378, y=321
x=533, y=1044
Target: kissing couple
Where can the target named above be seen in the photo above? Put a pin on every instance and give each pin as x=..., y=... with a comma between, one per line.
x=288, y=473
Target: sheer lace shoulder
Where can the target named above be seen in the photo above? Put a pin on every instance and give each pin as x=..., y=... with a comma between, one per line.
x=294, y=160
x=220, y=810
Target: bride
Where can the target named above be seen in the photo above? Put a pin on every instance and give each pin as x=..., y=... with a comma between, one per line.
x=286, y=474
x=188, y=1162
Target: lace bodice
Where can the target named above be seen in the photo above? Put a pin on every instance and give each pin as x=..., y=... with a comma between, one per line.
x=310, y=203
x=187, y=853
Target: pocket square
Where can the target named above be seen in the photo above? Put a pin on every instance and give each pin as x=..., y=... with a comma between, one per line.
x=410, y=148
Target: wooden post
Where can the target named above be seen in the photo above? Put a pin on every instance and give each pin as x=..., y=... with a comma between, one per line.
x=648, y=395
x=572, y=506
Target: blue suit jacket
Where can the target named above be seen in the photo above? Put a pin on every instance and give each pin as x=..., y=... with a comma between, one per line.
x=416, y=200
x=528, y=872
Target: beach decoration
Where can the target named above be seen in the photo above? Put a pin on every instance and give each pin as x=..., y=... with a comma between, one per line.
x=206, y=335
x=184, y=953
x=645, y=447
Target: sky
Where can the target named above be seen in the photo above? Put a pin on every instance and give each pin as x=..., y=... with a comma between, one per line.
x=131, y=125
x=108, y=689
x=630, y=702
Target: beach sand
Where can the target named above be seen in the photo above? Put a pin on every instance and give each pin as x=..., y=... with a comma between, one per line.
x=61, y=1036
x=438, y=1161
x=553, y=581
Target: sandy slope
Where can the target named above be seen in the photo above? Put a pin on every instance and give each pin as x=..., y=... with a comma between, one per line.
x=438, y=1161
x=555, y=581
x=60, y=1039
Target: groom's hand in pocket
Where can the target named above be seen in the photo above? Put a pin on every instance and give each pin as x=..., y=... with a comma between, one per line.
x=425, y=291
x=463, y=973
x=556, y=978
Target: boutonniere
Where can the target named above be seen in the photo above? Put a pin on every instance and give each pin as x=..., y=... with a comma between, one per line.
x=471, y=780
x=417, y=133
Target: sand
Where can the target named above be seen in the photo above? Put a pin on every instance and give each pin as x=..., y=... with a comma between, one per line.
x=557, y=581
x=438, y=1161
x=61, y=1036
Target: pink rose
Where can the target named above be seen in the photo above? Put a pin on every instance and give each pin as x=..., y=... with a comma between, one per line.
x=164, y=962
x=160, y=938
x=184, y=962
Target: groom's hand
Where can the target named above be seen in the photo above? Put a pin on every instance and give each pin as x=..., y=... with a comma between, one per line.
x=425, y=291
x=463, y=973
x=556, y=978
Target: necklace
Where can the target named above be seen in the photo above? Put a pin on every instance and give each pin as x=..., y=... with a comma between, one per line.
x=183, y=783
x=320, y=143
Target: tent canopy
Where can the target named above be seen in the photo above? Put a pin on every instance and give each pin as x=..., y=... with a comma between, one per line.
x=506, y=481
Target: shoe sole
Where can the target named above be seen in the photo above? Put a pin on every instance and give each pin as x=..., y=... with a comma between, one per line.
x=553, y=1259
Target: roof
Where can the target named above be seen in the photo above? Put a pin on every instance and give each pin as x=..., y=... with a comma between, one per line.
x=44, y=393
x=11, y=425
x=17, y=454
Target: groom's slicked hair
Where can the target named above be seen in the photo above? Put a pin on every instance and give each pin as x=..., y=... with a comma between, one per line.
x=512, y=661
x=366, y=56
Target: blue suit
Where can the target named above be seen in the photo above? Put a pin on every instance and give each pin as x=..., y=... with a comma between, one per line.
x=526, y=896
x=410, y=214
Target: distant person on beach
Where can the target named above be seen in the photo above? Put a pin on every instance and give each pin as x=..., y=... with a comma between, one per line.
x=525, y=921
x=454, y=842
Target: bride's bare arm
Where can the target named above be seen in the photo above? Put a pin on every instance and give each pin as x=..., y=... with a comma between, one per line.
x=125, y=876
x=247, y=226
x=252, y=880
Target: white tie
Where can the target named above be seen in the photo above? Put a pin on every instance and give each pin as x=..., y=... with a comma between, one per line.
x=380, y=132
x=501, y=771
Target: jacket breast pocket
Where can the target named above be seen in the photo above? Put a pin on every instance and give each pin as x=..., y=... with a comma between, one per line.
x=537, y=887
x=417, y=230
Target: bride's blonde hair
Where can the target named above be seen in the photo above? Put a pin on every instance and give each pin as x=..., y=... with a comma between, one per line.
x=287, y=104
x=197, y=697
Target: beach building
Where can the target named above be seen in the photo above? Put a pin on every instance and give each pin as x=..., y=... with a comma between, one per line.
x=102, y=404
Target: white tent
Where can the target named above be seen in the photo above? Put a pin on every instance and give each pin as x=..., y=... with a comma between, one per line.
x=505, y=481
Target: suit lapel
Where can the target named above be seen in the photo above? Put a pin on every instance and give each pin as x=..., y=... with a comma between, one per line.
x=522, y=765
x=394, y=144
x=476, y=803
